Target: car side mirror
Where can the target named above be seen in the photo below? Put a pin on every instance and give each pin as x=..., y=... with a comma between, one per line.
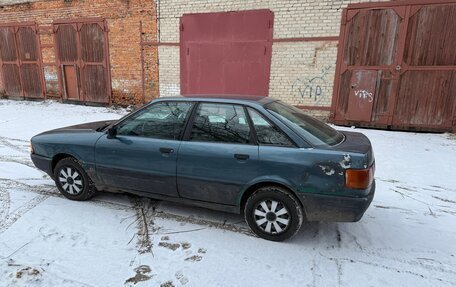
x=112, y=132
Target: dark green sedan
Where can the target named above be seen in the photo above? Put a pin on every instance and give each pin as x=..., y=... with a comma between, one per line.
x=256, y=156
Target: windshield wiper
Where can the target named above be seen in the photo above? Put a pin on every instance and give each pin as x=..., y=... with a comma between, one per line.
x=99, y=129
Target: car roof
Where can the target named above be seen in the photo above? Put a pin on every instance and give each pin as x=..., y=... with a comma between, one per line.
x=238, y=99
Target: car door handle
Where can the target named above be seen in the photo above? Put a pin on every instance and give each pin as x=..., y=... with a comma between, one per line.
x=166, y=150
x=242, y=156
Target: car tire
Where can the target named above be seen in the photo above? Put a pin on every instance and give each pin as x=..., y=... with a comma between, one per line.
x=72, y=181
x=273, y=213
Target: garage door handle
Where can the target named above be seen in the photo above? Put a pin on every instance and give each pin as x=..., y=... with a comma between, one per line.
x=242, y=156
x=166, y=150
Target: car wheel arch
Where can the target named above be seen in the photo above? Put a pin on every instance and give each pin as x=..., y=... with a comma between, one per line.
x=58, y=157
x=254, y=187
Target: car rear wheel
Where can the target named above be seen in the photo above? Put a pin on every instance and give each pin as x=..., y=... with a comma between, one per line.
x=273, y=213
x=72, y=181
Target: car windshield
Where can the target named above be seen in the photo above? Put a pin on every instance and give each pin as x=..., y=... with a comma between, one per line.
x=311, y=129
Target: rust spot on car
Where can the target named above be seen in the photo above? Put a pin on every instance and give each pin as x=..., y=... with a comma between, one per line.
x=327, y=170
x=346, y=161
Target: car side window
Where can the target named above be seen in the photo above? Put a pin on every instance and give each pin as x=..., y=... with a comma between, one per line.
x=163, y=120
x=224, y=123
x=267, y=134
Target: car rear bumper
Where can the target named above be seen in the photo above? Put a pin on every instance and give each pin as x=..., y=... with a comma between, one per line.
x=336, y=208
x=42, y=163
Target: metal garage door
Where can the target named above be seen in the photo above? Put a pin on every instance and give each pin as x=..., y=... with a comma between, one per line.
x=20, y=61
x=397, y=66
x=83, y=59
x=226, y=53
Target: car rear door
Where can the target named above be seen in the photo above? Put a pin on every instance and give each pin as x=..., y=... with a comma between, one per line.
x=218, y=156
x=143, y=154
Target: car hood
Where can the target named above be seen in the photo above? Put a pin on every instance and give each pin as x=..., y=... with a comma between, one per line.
x=82, y=128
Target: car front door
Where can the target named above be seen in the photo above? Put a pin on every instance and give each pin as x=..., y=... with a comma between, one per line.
x=218, y=156
x=143, y=153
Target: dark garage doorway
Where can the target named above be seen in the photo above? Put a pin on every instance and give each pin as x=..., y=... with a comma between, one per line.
x=226, y=53
x=396, y=66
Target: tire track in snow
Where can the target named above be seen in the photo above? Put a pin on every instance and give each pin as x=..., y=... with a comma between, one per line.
x=14, y=139
x=415, y=263
x=18, y=160
x=51, y=191
x=15, y=216
x=145, y=213
x=4, y=204
x=430, y=197
x=387, y=254
x=340, y=271
x=205, y=222
x=4, y=141
x=402, y=269
x=21, y=159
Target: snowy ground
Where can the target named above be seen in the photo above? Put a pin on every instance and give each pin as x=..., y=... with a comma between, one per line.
x=406, y=238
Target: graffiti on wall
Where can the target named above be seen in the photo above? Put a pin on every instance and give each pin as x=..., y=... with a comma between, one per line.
x=365, y=95
x=312, y=88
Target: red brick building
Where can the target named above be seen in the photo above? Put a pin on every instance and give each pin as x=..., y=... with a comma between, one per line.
x=79, y=51
x=386, y=64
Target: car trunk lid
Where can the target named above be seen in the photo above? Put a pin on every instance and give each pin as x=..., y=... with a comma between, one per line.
x=356, y=143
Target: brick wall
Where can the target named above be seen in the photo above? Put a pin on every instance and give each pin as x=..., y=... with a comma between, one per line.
x=302, y=73
x=123, y=18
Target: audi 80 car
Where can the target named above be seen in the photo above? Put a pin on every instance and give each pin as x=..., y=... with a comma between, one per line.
x=255, y=156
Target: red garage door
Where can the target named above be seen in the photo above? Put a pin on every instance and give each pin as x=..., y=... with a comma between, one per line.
x=397, y=66
x=83, y=58
x=226, y=53
x=20, y=61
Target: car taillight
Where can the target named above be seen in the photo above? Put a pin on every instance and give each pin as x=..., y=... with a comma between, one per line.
x=359, y=178
x=31, y=148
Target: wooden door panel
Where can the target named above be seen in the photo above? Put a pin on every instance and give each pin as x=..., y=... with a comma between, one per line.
x=11, y=80
x=31, y=80
x=22, y=67
x=361, y=97
x=372, y=38
x=70, y=79
x=430, y=36
x=410, y=48
x=66, y=43
x=82, y=52
x=93, y=81
x=426, y=99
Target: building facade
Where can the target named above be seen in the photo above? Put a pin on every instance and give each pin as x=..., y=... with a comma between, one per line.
x=386, y=64
x=79, y=51
x=144, y=65
x=304, y=46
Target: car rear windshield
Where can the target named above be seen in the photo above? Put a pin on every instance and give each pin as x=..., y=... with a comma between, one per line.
x=311, y=129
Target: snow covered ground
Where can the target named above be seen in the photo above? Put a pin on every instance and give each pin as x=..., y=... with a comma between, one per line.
x=406, y=238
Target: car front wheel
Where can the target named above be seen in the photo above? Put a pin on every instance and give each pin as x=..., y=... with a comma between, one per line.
x=273, y=213
x=72, y=181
